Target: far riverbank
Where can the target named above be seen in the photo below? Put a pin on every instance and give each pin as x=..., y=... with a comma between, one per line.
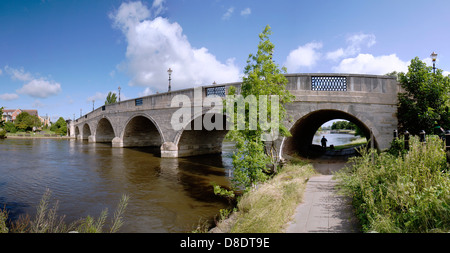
x=37, y=136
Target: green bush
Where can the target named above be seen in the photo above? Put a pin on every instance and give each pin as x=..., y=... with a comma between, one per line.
x=9, y=127
x=2, y=134
x=408, y=193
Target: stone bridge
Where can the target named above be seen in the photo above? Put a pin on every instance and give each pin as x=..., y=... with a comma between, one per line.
x=369, y=101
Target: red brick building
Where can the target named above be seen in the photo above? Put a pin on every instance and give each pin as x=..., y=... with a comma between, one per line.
x=10, y=115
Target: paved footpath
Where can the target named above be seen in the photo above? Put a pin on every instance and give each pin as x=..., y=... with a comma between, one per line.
x=322, y=209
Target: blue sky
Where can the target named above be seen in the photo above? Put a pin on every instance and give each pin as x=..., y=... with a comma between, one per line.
x=57, y=56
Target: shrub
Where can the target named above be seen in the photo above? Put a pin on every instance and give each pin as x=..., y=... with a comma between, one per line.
x=9, y=127
x=404, y=193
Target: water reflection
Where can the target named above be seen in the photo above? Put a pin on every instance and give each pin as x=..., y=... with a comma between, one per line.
x=166, y=195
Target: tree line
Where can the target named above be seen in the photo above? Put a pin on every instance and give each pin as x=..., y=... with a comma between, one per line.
x=25, y=122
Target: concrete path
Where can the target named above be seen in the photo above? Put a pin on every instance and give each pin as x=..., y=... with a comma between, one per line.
x=322, y=209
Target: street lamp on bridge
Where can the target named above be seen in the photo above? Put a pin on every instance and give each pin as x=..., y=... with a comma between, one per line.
x=433, y=57
x=170, y=73
x=119, y=94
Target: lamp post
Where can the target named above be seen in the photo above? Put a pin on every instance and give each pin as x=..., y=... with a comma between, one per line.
x=433, y=57
x=119, y=94
x=93, y=101
x=170, y=73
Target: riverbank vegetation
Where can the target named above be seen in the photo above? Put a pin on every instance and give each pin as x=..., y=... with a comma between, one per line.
x=46, y=220
x=425, y=102
x=268, y=207
x=27, y=124
x=400, y=191
x=263, y=79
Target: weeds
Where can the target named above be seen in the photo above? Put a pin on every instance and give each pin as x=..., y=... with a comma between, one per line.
x=47, y=220
x=398, y=191
x=269, y=207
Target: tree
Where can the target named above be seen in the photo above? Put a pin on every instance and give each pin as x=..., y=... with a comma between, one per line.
x=9, y=127
x=111, y=98
x=1, y=117
x=262, y=78
x=25, y=122
x=343, y=124
x=425, y=102
x=60, y=126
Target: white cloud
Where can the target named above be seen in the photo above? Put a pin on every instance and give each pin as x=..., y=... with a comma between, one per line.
x=446, y=73
x=40, y=88
x=158, y=7
x=369, y=64
x=99, y=97
x=18, y=74
x=37, y=87
x=146, y=92
x=335, y=55
x=246, y=12
x=8, y=96
x=228, y=13
x=129, y=14
x=354, y=46
x=303, y=56
x=358, y=40
x=155, y=45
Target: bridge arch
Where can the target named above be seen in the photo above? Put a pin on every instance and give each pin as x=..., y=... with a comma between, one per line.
x=305, y=127
x=191, y=142
x=104, y=131
x=141, y=130
x=86, y=131
x=77, y=131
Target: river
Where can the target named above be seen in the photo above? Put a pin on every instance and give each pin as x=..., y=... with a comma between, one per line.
x=335, y=139
x=166, y=195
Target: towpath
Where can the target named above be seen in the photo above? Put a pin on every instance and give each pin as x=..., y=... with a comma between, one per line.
x=323, y=210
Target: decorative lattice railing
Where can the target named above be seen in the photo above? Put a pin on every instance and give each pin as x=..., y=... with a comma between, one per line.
x=329, y=83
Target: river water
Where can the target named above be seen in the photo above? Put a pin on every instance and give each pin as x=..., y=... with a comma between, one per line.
x=335, y=139
x=166, y=195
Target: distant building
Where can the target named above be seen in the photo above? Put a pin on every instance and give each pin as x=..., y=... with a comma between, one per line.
x=10, y=115
x=45, y=120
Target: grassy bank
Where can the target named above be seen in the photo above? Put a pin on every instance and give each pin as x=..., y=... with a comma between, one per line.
x=270, y=206
x=354, y=143
x=401, y=192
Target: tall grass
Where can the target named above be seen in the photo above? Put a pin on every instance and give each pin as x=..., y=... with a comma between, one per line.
x=401, y=192
x=270, y=206
x=46, y=220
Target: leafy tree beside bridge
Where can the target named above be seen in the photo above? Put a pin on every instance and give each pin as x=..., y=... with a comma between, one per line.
x=262, y=78
x=111, y=98
x=425, y=103
x=59, y=127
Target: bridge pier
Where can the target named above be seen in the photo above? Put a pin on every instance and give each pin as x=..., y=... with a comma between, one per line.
x=169, y=150
x=91, y=138
x=117, y=142
x=81, y=137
